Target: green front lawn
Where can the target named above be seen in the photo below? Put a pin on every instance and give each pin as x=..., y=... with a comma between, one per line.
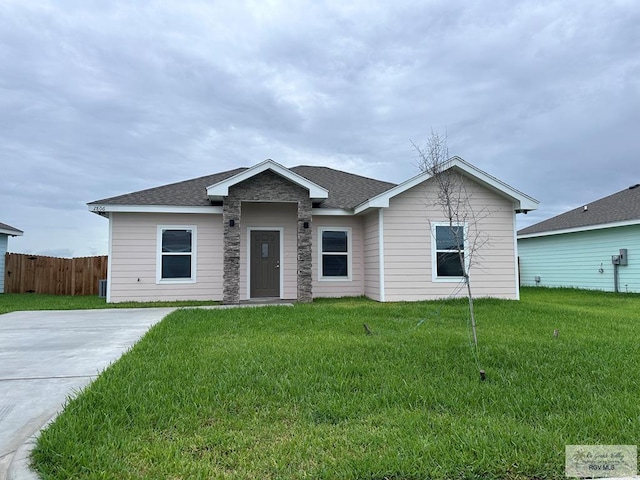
x=13, y=302
x=303, y=392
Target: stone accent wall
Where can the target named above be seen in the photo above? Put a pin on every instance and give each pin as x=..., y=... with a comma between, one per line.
x=305, y=293
x=231, y=273
x=265, y=187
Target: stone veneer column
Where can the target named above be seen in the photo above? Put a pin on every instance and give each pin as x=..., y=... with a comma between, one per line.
x=305, y=293
x=231, y=273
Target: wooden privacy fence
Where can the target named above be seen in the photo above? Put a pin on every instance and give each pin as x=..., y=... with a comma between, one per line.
x=57, y=276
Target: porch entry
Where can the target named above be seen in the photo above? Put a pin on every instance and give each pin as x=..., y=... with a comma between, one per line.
x=265, y=264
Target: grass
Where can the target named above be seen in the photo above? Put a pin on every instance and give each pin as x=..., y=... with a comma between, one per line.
x=302, y=392
x=12, y=302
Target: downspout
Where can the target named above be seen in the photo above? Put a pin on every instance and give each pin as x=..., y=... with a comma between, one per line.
x=109, y=257
x=615, y=278
x=381, y=252
x=515, y=255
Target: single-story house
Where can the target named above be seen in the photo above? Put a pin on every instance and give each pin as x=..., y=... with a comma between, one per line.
x=595, y=246
x=6, y=231
x=303, y=232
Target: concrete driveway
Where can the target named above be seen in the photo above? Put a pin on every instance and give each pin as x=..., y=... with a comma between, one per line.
x=45, y=356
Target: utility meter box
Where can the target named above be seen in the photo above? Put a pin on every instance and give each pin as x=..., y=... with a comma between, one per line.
x=623, y=256
x=615, y=259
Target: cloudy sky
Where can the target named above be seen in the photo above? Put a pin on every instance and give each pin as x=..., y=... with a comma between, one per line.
x=99, y=98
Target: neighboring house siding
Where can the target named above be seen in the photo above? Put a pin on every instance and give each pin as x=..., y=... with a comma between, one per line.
x=340, y=288
x=407, y=239
x=271, y=215
x=371, y=256
x=3, y=250
x=133, y=258
x=575, y=259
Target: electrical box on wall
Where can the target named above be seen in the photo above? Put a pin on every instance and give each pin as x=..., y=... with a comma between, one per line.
x=623, y=256
x=615, y=259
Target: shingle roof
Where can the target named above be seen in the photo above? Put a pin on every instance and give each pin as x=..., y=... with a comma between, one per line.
x=187, y=193
x=9, y=228
x=619, y=207
x=346, y=190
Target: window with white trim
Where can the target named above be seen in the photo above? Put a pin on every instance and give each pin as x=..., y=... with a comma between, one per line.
x=447, y=241
x=176, y=258
x=335, y=253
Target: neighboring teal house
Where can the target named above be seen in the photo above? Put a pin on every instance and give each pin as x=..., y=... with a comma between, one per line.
x=595, y=246
x=6, y=231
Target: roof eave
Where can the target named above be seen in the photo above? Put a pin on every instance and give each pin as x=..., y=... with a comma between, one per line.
x=11, y=232
x=587, y=228
x=103, y=209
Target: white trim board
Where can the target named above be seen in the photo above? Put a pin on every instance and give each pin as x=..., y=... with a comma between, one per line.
x=602, y=226
x=101, y=209
x=11, y=233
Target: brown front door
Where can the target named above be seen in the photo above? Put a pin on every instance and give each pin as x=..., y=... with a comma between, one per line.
x=265, y=263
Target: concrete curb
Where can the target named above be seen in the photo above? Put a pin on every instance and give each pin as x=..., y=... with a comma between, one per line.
x=19, y=468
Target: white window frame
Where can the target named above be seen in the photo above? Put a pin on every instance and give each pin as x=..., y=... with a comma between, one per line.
x=159, y=254
x=434, y=251
x=349, y=254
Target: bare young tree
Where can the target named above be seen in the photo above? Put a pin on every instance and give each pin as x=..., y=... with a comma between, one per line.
x=453, y=198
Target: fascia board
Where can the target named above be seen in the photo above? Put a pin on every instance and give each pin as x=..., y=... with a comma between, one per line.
x=382, y=200
x=221, y=189
x=104, y=208
x=13, y=233
x=523, y=201
x=589, y=228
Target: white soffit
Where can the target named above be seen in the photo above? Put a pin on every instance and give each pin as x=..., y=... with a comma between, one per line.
x=13, y=233
x=103, y=209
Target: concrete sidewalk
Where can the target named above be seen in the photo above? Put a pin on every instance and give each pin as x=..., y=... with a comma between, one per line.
x=45, y=356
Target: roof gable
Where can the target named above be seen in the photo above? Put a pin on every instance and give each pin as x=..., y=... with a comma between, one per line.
x=621, y=208
x=522, y=202
x=219, y=190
